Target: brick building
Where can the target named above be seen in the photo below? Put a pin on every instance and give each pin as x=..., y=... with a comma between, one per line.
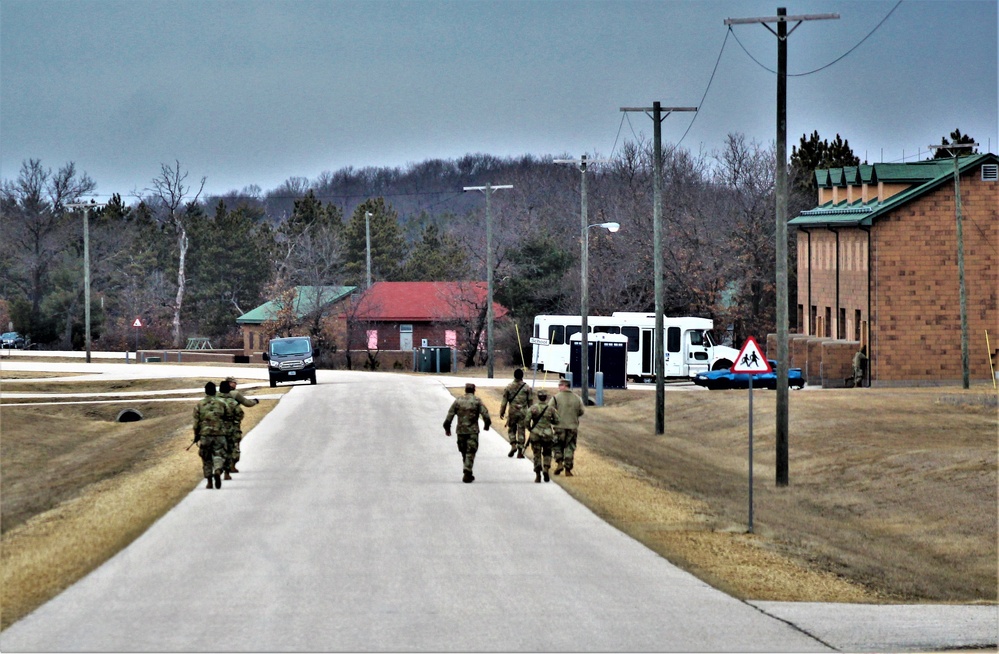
x=306, y=300
x=877, y=265
x=404, y=315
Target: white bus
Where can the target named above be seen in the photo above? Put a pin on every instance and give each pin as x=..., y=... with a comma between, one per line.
x=688, y=345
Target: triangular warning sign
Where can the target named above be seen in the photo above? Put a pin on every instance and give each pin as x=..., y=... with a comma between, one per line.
x=137, y=323
x=751, y=359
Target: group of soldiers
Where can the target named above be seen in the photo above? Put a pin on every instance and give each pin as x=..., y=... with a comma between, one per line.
x=218, y=431
x=549, y=425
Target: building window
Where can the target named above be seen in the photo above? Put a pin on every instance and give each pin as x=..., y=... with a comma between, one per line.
x=856, y=325
x=827, y=331
x=801, y=319
x=841, y=324
x=812, y=319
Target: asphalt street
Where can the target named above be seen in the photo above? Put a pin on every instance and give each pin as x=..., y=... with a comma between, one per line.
x=348, y=529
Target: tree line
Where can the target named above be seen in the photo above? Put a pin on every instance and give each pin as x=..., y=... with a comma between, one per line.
x=189, y=264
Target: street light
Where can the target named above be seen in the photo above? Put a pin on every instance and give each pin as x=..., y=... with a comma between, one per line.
x=584, y=309
x=86, y=206
x=367, y=243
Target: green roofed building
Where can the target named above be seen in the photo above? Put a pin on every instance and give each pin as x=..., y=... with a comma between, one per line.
x=306, y=300
x=877, y=266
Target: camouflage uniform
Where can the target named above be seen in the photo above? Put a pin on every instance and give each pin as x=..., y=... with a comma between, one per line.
x=570, y=408
x=234, y=432
x=210, y=417
x=235, y=440
x=541, y=417
x=517, y=395
x=468, y=409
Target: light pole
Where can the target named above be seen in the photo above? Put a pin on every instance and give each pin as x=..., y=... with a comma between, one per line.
x=367, y=241
x=86, y=206
x=584, y=308
x=965, y=365
x=489, y=189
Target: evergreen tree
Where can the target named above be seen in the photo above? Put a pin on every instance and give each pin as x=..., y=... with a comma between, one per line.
x=436, y=257
x=814, y=154
x=388, y=248
x=956, y=138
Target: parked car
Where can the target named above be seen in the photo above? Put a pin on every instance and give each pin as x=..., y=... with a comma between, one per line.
x=725, y=379
x=290, y=359
x=12, y=340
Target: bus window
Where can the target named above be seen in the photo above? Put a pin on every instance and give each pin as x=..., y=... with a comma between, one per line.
x=555, y=334
x=607, y=329
x=697, y=338
x=632, y=334
x=570, y=330
x=537, y=328
x=673, y=339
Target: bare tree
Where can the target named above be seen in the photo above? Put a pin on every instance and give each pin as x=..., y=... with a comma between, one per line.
x=170, y=190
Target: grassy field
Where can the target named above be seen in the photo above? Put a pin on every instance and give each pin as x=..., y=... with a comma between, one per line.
x=893, y=493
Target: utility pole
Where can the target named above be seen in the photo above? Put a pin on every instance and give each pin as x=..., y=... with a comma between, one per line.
x=584, y=309
x=367, y=241
x=86, y=206
x=657, y=251
x=781, y=217
x=489, y=189
x=965, y=365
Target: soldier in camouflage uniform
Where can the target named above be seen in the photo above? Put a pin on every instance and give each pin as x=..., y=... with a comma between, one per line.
x=468, y=409
x=210, y=417
x=233, y=429
x=242, y=399
x=540, y=419
x=569, y=408
x=517, y=395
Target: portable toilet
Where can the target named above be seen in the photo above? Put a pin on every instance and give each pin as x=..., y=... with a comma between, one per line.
x=608, y=354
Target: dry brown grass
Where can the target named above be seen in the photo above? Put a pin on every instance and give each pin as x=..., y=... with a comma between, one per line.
x=893, y=493
x=72, y=500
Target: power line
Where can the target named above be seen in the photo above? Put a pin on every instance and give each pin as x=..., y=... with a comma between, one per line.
x=710, y=80
x=834, y=61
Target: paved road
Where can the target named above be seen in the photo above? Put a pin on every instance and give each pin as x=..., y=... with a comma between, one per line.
x=348, y=529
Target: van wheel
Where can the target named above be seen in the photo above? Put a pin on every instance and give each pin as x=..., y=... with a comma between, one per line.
x=273, y=383
x=312, y=379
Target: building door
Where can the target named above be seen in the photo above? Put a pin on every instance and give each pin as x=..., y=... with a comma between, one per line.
x=405, y=337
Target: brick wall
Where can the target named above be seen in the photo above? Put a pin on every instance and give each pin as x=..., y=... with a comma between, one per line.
x=917, y=333
x=837, y=362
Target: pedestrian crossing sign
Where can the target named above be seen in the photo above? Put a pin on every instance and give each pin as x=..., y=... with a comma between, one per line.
x=751, y=359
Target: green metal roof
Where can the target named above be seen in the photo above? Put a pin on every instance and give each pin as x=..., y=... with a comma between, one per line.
x=924, y=175
x=306, y=299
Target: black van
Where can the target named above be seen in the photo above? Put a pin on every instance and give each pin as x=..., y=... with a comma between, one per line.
x=290, y=359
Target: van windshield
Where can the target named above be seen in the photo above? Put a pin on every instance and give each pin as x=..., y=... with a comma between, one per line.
x=292, y=347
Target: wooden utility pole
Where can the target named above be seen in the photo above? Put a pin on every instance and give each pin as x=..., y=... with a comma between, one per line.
x=965, y=364
x=657, y=250
x=489, y=189
x=86, y=206
x=781, y=217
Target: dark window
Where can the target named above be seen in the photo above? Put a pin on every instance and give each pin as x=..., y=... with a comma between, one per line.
x=697, y=338
x=570, y=330
x=632, y=334
x=673, y=339
x=556, y=334
x=607, y=329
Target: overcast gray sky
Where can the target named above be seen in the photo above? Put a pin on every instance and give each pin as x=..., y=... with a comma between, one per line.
x=257, y=91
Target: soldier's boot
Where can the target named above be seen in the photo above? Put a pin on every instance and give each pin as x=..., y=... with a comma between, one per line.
x=547, y=478
x=226, y=476
x=209, y=484
x=218, y=480
x=520, y=453
x=558, y=470
x=568, y=472
x=513, y=449
x=467, y=477
x=232, y=468
x=537, y=477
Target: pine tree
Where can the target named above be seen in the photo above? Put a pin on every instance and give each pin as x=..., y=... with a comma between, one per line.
x=388, y=248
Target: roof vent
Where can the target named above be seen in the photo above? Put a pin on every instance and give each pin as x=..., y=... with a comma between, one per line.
x=990, y=172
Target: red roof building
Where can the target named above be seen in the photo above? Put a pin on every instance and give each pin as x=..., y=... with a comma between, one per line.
x=404, y=315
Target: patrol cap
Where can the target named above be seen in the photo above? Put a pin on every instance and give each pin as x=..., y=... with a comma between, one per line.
x=231, y=380
x=518, y=374
x=210, y=388
x=469, y=388
x=224, y=387
x=542, y=394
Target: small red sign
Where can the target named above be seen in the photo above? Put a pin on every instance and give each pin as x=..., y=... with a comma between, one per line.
x=751, y=359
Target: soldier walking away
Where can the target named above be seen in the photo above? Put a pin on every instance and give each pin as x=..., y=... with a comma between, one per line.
x=247, y=402
x=210, y=416
x=468, y=409
x=541, y=418
x=569, y=408
x=516, y=395
x=859, y=366
x=233, y=428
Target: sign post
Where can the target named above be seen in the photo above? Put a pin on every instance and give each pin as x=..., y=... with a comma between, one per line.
x=136, y=324
x=750, y=360
x=539, y=342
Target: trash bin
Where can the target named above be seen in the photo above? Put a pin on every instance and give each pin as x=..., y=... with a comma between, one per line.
x=434, y=359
